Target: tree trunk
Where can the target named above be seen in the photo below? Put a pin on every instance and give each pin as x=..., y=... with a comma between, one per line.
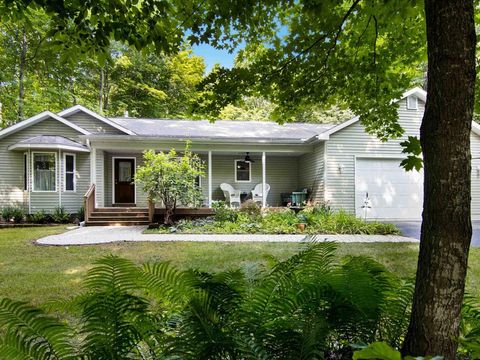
x=21, y=72
x=101, y=87
x=445, y=138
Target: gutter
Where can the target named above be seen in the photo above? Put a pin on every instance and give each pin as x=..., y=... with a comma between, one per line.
x=206, y=140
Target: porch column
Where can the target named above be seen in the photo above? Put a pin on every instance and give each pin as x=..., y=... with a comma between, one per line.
x=264, y=179
x=209, y=178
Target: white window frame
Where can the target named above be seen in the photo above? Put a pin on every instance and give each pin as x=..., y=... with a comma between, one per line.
x=65, y=172
x=415, y=104
x=249, y=172
x=33, y=171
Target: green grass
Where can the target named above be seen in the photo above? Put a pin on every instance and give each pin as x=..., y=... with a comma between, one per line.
x=40, y=273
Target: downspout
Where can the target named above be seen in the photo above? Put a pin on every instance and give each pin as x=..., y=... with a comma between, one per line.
x=60, y=172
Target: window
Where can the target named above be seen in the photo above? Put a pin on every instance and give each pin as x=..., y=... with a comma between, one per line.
x=25, y=171
x=69, y=172
x=412, y=103
x=242, y=171
x=44, y=170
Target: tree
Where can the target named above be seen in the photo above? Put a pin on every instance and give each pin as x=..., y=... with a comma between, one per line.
x=445, y=139
x=363, y=52
x=170, y=178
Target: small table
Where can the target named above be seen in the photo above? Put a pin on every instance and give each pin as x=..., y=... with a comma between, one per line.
x=244, y=196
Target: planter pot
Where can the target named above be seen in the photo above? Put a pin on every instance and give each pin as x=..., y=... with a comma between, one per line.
x=301, y=227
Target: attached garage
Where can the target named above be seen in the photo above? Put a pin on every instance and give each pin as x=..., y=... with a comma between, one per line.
x=393, y=192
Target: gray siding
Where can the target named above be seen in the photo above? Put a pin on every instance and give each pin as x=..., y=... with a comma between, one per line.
x=72, y=201
x=100, y=178
x=475, y=147
x=11, y=163
x=281, y=174
x=91, y=124
x=351, y=142
x=311, y=173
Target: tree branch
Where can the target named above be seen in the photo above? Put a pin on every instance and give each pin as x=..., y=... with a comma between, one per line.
x=321, y=39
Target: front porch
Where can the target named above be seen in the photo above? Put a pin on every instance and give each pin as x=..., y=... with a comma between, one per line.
x=115, y=171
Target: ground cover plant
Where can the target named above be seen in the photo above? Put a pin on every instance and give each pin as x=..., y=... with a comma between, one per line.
x=250, y=219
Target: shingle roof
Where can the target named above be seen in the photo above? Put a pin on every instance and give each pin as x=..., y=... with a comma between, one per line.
x=222, y=129
x=49, y=141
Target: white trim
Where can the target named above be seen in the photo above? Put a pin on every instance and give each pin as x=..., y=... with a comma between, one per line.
x=65, y=173
x=264, y=179
x=38, y=118
x=29, y=185
x=25, y=171
x=134, y=173
x=46, y=147
x=77, y=108
x=249, y=171
x=59, y=174
x=33, y=172
x=210, y=178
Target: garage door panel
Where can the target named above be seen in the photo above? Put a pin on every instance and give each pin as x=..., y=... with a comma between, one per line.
x=393, y=192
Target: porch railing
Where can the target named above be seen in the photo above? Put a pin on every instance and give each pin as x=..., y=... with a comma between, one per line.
x=89, y=201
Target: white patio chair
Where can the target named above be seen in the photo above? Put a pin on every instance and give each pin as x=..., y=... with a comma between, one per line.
x=257, y=195
x=231, y=195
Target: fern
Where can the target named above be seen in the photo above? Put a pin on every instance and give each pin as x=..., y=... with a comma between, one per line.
x=31, y=333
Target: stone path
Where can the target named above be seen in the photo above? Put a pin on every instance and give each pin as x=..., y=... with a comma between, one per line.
x=108, y=234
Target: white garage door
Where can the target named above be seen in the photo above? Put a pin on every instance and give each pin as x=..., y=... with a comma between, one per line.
x=394, y=193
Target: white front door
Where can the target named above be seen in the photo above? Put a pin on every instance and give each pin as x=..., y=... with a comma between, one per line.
x=394, y=193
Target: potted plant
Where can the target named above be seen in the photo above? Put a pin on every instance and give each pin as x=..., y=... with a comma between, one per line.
x=302, y=222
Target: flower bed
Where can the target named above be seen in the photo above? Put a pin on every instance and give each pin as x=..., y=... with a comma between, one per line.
x=250, y=219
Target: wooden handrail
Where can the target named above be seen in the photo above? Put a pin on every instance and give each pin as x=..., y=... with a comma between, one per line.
x=89, y=201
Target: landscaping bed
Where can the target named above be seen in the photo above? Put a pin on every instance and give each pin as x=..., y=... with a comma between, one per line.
x=250, y=219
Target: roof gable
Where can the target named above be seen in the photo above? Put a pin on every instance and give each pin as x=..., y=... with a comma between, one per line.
x=39, y=118
x=79, y=108
x=418, y=92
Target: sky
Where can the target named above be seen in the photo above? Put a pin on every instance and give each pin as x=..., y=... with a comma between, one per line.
x=214, y=56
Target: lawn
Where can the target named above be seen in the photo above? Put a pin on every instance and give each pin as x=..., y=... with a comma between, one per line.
x=40, y=273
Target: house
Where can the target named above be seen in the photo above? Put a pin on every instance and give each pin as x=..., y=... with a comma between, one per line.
x=52, y=160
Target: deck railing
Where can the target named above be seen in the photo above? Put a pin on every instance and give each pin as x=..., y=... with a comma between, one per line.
x=89, y=200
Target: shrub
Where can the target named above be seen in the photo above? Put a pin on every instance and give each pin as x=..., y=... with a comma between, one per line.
x=40, y=217
x=60, y=215
x=224, y=213
x=280, y=222
x=251, y=208
x=13, y=213
x=81, y=213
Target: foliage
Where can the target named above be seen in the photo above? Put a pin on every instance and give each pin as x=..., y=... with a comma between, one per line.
x=81, y=213
x=60, y=215
x=381, y=351
x=251, y=208
x=13, y=213
x=223, y=212
x=305, y=307
x=318, y=220
x=169, y=178
x=39, y=217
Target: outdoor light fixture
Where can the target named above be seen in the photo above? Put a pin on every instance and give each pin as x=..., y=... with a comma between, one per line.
x=248, y=159
x=340, y=168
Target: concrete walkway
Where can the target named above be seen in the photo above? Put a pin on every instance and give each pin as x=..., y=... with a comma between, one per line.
x=109, y=234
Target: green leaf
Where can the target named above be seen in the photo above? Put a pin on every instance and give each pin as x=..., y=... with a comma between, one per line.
x=378, y=350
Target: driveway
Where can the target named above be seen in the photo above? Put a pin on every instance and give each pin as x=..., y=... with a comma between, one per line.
x=412, y=229
x=107, y=234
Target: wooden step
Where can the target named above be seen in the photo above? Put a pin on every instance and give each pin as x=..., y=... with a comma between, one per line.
x=117, y=214
x=115, y=223
x=120, y=210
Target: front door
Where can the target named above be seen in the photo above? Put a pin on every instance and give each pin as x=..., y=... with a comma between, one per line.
x=124, y=187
